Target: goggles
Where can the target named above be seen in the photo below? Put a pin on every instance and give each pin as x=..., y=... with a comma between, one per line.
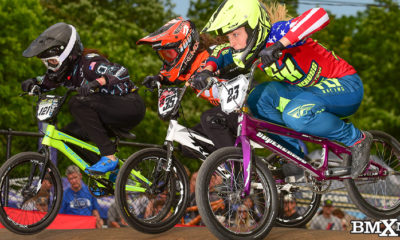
x=167, y=55
x=52, y=63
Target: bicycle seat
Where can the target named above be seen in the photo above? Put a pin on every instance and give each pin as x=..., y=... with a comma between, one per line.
x=121, y=133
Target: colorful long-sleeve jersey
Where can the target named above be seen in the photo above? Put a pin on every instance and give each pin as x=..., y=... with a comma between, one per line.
x=197, y=65
x=303, y=63
x=89, y=68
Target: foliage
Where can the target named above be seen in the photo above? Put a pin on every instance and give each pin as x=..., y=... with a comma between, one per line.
x=200, y=11
x=20, y=24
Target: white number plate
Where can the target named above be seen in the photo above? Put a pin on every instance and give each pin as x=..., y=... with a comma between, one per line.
x=233, y=94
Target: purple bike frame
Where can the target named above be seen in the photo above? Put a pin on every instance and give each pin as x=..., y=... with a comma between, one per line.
x=251, y=129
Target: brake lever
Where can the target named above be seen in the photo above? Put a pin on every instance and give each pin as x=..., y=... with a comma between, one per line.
x=35, y=89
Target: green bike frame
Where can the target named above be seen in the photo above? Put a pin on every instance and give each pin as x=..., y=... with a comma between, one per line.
x=56, y=139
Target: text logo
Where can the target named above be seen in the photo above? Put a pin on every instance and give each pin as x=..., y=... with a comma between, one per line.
x=384, y=228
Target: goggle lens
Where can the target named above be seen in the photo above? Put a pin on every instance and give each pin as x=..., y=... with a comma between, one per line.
x=168, y=55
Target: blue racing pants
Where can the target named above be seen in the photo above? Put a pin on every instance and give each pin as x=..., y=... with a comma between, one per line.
x=315, y=110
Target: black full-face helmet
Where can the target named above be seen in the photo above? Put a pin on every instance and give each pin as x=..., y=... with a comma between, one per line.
x=57, y=47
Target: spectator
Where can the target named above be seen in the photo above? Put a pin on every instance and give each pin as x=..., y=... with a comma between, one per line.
x=154, y=208
x=192, y=189
x=290, y=207
x=46, y=184
x=41, y=201
x=253, y=209
x=114, y=219
x=144, y=205
x=139, y=205
x=243, y=221
x=77, y=198
x=326, y=221
x=190, y=215
x=344, y=218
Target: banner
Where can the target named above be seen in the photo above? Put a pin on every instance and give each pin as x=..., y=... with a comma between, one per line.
x=62, y=221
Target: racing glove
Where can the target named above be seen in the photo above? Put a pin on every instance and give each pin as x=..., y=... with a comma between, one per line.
x=88, y=88
x=271, y=54
x=151, y=81
x=200, y=79
x=28, y=84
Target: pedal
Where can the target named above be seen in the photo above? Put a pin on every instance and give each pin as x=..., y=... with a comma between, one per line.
x=100, y=187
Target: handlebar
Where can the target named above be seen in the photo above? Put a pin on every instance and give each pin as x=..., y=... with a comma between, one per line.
x=214, y=80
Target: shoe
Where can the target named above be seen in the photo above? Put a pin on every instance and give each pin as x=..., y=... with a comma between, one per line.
x=113, y=176
x=360, y=154
x=102, y=166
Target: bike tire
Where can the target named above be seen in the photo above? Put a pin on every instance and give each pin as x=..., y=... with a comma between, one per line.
x=263, y=193
x=378, y=198
x=177, y=198
x=307, y=201
x=23, y=202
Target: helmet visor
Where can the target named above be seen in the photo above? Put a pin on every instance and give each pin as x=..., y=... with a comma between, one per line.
x=52, y=63
x=168, y=55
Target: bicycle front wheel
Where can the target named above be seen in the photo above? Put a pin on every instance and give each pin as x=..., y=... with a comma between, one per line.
x=224, y=209
x=29, y=205
x=379, y=197
x=159, y=205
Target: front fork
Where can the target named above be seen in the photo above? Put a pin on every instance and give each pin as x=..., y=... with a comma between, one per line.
x=161, y=180
x=28, y=190
x=46, y=151
x=247, y=163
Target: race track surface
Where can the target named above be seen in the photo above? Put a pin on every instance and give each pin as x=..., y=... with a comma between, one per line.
x=182, y=233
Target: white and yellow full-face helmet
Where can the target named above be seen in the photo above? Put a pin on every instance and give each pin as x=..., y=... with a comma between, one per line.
x=233, y=14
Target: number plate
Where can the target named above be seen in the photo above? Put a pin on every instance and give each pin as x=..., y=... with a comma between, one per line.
x=167, y=100
x=46, y=107
x=233, y=93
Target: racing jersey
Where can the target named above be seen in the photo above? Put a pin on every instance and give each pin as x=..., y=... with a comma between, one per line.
x=89, y=68
x=303, y=63
x=198, y=65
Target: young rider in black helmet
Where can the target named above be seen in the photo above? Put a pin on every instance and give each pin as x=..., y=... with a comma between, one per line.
x=107, y=96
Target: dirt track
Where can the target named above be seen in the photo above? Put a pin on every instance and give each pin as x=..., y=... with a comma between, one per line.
x=182, y=233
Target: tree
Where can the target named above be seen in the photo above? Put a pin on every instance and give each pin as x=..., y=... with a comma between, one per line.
x=376, y=55
x=20, y=24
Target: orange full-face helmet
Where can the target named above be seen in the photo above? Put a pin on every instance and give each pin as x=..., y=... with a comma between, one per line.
x=175, y=43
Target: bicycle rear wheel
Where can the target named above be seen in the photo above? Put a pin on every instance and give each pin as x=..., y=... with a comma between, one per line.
x=220, y=179
x=159, y=208
x=378, y=197
x=29, y=205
